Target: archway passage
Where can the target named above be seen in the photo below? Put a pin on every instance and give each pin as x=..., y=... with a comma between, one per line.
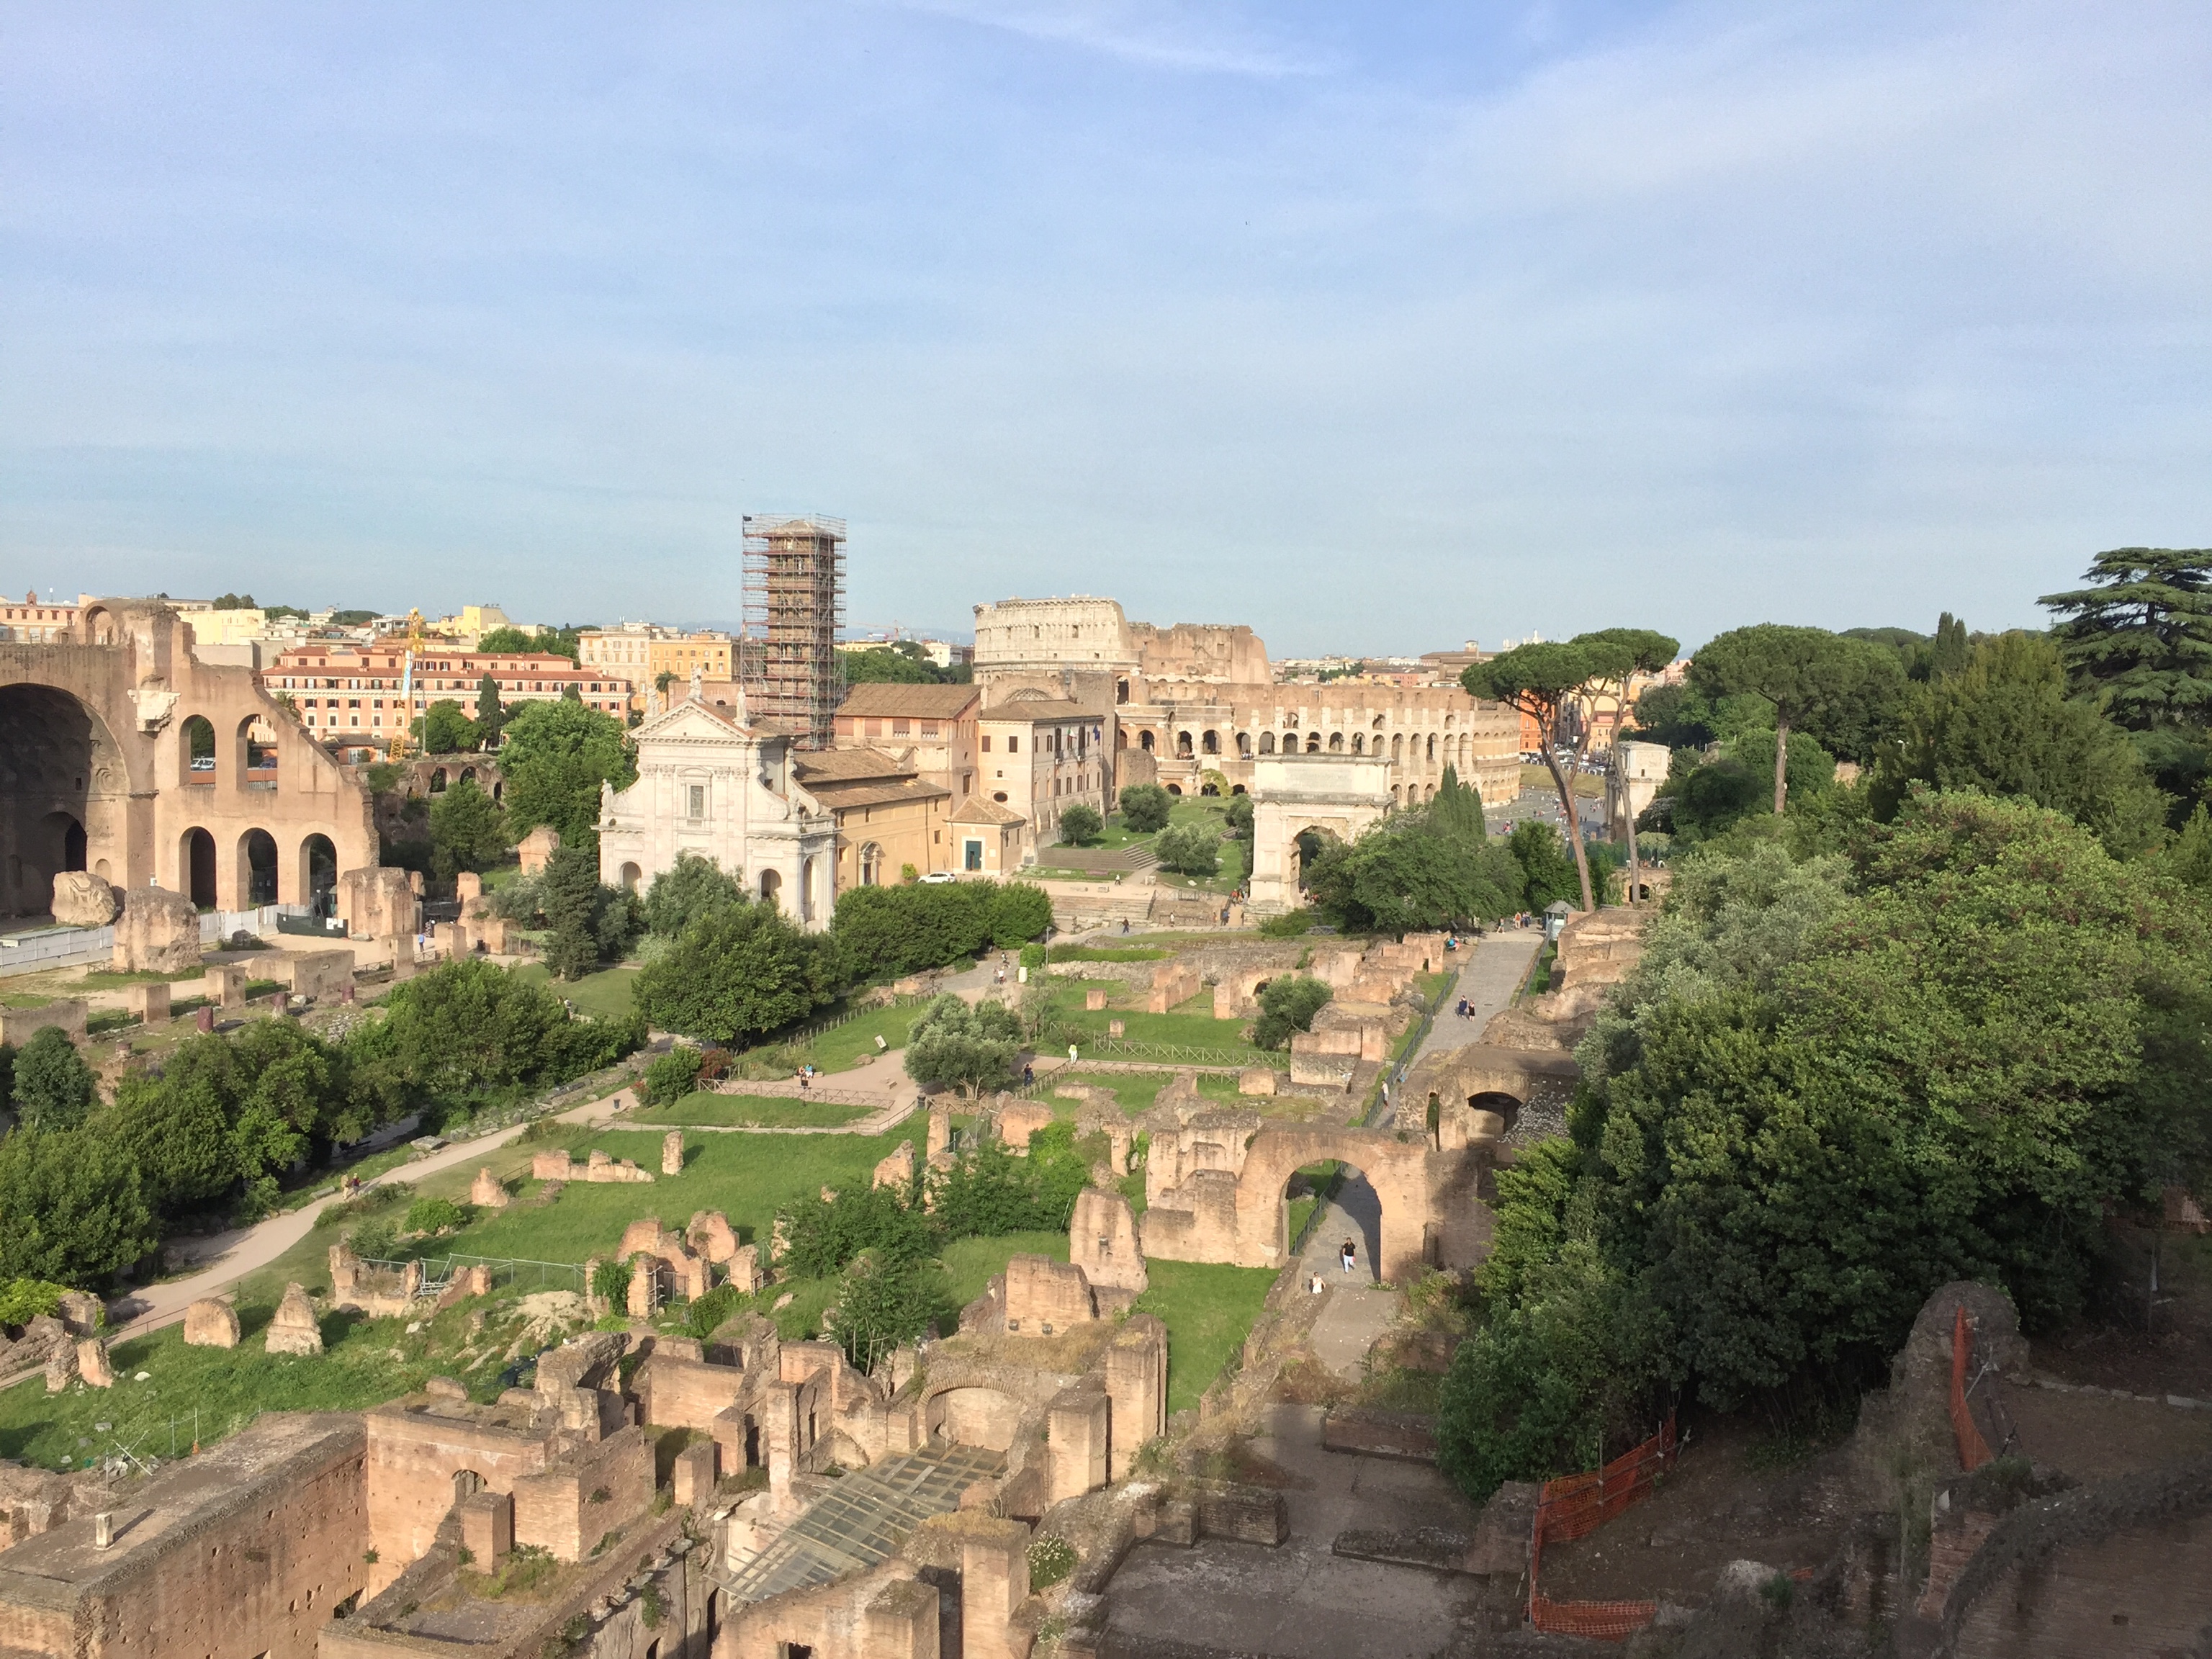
x=1310, y=843
x=257, y=861
x=771, y=888
x=319, y=875
x=196, y=868
x=631, y=875
x=1336, y=1204
x=196, y=738
x=50, y=746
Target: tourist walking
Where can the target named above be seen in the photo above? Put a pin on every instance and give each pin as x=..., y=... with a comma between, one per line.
x=1349, y=1253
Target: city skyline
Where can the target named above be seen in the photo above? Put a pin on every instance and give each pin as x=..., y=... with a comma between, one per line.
x=1318, y=323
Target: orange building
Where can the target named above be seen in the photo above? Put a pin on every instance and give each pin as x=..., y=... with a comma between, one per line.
x=345, y=693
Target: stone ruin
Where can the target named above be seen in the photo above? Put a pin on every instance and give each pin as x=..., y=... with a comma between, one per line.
x=82, y=899
x=535, y=849
x=672, y=1152
x=66, y=1015
x=1103, y=1242
x=487, y=1191
x=294, y=1328
x=211, y=1322
x=600, y=1166
x=93, y=1366
x=157, y=932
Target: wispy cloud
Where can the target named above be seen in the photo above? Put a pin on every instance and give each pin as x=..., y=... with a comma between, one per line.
x=1158, y=36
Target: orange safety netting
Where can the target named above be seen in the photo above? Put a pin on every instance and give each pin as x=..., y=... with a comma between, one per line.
x=1973, y=1451
x=1575, y=1506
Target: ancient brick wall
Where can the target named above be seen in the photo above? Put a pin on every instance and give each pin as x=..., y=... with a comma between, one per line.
x=413, y=1455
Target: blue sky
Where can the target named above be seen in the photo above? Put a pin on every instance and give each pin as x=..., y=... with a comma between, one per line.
x=1378, y=328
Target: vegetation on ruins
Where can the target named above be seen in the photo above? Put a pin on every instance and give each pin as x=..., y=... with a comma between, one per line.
x=447, y=731
x=1288, y=1005
x=555, y=756
x=1856, y=1059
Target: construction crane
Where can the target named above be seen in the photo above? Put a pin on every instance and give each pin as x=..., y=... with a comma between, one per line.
x=398, y=748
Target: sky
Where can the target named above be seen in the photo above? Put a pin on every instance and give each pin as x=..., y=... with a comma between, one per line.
x=1377, y=328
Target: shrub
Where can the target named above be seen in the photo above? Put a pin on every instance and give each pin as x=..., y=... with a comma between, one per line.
x=1145, y=808
x=435, y=1215
x=22, y=1300
x=1289, y=924
x=688, y=888
x=672, y=1077
x=610, y=1283
x=737, y=972
x=1288, y=1005
x=968, y=1049
x=54, y=1088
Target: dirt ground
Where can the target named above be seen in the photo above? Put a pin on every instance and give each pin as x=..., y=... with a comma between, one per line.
x=2093, y=1437
x=2115, y=1352
x=1716, y=1507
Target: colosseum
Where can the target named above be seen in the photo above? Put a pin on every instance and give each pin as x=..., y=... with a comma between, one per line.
x=1201, y=698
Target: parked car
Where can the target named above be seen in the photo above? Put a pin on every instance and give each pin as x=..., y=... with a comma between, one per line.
x=936, y=876
x=203, y=762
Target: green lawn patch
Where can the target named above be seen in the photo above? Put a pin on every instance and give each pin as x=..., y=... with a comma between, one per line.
x=606, y=994
x=105, y=979
x=1139, y=1091
x=1191, y=1024
x=1105, y=953
x=1209, y=1309
x=971, y=1263
x=752, y=1111
x=846, y=1046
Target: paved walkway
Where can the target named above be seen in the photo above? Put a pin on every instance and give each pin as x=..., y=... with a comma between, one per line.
x=1491, y=973
x=1358, y=1309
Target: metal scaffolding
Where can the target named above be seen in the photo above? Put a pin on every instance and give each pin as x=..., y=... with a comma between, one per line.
x=794, y=597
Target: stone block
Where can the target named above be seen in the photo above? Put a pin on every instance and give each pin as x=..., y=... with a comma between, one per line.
x=1176, y=1523
x=380, y=903
x=672, y=1152
x=1248, y=1514
x=1102, y=1241
x=223, y=984
x=67, y=1015
x=553, y=1165
x=156, y=932
x=61, y=1368
x=295, y=1329
x=1044, y=1296
x=211, y=1322
x=695, y=1473
x=1020, y=1119
x=1373, y=1433
x=1117, y=1028
x=902, y=1622
x=1075, y=1444
x=451, y=939
x=487, y=1527
x=79, y=1311
x=746, y=1269
x=896, y=1167
x=485, y=1192
x=92, y=1364
x=1256, y=1080
x=940, y=1130
x=82, y=899
x=644, y=1287
x=468, y=888
x=150, y=1002
x=1323, y=1071
x=710, y=1235
x=326, y=975
x=536, y=848
x=1094, y=998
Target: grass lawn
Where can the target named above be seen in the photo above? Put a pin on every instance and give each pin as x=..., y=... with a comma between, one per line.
x=972, y=1263
x=218, y=1390
x=1139, y=1090
x=1105, y=953
x=761, y=1111
x=1537, y=779
x=107, y=980
x=1208, y=1308
x=606, y=994
x=844, y=1047
x=1193, y=1024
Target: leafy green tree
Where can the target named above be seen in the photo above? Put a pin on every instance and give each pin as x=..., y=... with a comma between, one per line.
x=1145, y=808
x=672, y=1076
x=1846, y=693
x=2003, y=723
x=901, y=930
x=70, y=1208
x=1080, y=825
x=1239, y=816
x=54, y=1089
x=562, y=642
x=690, y=887
x=467, y=1025
x=884, y=1302
x=989, y=1191
x=1189, y=849
x=491, y=713
x=555, y=756
x=952, y=1045
x=821, y=1235
x=735, y=973
x=468, y=830
x=447, y=730
x=1286, y=1006
x=177, y=1130
x=1430, y=867
x=900, y=664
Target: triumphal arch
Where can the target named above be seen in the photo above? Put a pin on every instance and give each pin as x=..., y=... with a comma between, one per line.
x=1328, y=794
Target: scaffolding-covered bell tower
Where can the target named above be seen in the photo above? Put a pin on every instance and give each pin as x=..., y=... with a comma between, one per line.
x=794, y=593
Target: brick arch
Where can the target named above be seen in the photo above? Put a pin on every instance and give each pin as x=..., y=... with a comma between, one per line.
x=1398, y=1171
